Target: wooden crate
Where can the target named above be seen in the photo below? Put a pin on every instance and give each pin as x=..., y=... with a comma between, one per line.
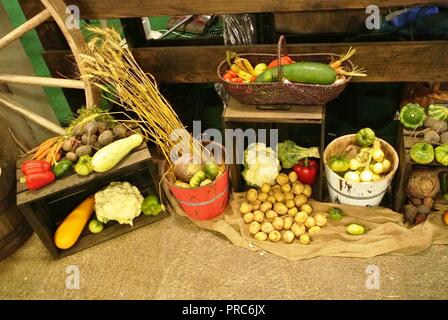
x=46, y=208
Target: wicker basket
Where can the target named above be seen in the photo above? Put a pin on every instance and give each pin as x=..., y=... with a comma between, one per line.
x=284, y=93
x=425, y=94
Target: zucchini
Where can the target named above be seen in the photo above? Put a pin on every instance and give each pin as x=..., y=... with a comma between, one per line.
x=301, y=72
x=108, y=157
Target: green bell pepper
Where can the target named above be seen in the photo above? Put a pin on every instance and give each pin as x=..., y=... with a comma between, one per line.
x=62, y=168
x=151, y=205
x=365, y=137
x=84, y=165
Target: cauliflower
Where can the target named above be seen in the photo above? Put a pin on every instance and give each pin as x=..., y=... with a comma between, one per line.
x=119, y=201
x=261, y=165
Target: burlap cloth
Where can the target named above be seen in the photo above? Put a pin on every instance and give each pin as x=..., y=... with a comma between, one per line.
x=386, y=232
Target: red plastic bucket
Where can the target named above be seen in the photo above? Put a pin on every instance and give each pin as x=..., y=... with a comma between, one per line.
x=206, y=202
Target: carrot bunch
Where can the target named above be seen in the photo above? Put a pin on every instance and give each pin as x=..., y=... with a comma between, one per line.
x=49, y=150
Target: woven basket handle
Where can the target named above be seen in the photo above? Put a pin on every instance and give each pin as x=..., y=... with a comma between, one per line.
x=281, y=48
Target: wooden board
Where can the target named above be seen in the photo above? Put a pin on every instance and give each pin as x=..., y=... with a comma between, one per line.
x=384, y=61
x=105, y=9
x=238, y=112
x=73, y=181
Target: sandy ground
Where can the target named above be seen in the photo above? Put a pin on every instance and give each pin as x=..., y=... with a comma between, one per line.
x=174, y=259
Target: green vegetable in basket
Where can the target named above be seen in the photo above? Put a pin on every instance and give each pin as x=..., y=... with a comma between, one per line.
x=211, y=170
x=197, y=178
x=365, y=137
x=339, y=163
x=438, y=111
x=412, y=116
x=151, y=205
x=442, y=154
x=289, y=153
x=301, y=72
x=422, y=153
x=335, y=214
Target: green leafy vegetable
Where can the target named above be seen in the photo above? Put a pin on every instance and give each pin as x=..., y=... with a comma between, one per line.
x=289, y=153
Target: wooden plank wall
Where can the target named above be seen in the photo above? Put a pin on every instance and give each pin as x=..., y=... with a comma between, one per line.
x=384, y=61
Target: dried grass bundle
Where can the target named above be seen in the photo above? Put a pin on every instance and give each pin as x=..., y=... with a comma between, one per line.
x=110, y=66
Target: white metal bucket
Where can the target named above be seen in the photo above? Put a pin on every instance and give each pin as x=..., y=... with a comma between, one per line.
x=357, y=193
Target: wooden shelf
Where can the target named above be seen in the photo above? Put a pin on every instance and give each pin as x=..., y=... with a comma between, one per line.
x=238, y=112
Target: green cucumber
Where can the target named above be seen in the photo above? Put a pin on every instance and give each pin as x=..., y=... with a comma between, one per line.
x=301, y=72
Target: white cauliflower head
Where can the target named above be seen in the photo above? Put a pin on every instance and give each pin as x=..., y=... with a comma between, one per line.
x=119, y=201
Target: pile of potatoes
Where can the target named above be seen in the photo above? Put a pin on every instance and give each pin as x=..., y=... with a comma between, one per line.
x=282, y=211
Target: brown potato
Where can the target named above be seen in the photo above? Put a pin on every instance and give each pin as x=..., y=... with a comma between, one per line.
x=267, y=227
x=265, y=206
x=292, y=176
x=245, y=208
x=271, y=214
x=261, y=236
x=280, y=208
x=286, y=188
x=275, y=236
x=266, y=188
x=287, y=222
x=307, y=191
x=248, y=217
x=278, y=223
x=259, y=216
x=299, y=200
x=310, y=222
x=262, y=196
x=305, y=239
x=290, y=204
x=255, y=204
x=300, y=217
x=271, y=199
x=289, y=196
x=298, y=229
x=254, y=227
x=307, y=208
x=280, y=197
x=297, y=187
x=314, y=230
x=251, y=195
x=282, y=179
x=288, y=236
x=293, y=211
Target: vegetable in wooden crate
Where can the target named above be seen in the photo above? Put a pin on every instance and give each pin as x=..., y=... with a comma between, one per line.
x=62, y=168
x=412, y=116
x=70, y=229
x=307, y=171
x=261, y=165
x=422, y=153
x=438, y=111
x=441, y=153
x=289, y=153
x=37, y=174
x=119, y=201
x=108, y=157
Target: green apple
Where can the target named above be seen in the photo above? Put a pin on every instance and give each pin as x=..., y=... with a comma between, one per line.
x=260, y=68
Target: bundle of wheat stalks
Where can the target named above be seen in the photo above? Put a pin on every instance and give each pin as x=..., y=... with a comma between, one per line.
x=110, y=66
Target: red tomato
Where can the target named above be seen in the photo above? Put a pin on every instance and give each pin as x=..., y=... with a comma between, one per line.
x=236, y=80
x=283, y=60
x=227, y=76
x=232, y=73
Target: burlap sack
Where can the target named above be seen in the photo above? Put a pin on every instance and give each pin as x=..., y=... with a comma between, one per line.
x=386, y=234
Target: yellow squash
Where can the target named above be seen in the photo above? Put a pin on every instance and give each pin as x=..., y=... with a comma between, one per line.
x=70, y=229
